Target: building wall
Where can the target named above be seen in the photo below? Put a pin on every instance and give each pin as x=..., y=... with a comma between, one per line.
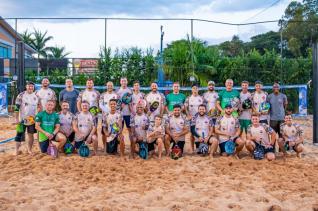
x=7, y=42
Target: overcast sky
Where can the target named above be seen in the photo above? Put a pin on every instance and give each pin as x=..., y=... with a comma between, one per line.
x=84, y=38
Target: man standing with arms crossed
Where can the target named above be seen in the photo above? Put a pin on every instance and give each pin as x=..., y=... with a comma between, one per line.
x=175, y=98
x=70, y=95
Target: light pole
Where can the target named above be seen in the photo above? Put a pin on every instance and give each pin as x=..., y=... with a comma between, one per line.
x=161, y=76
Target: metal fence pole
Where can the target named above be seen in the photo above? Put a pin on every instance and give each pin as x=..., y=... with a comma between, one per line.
x=315, y=86
x=105, y=33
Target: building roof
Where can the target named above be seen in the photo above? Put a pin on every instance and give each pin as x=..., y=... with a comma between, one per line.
x=16, y=35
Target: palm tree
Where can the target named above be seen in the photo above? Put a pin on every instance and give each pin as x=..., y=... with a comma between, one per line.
x=57, y=52
x=39, y=43
x=27, y=37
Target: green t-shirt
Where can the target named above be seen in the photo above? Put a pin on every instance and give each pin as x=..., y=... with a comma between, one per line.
x=173, y=99
x=226, y=97
x=48, y=122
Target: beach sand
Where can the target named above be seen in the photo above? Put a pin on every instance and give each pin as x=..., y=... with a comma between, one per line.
x=191, y=183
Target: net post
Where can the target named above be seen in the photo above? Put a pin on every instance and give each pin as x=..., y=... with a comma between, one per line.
x=315, y=93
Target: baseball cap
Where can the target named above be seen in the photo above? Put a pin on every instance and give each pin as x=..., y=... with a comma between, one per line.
x=228, y=106
x=211, y=83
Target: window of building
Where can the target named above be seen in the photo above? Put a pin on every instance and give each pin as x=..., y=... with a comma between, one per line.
x=5, y=51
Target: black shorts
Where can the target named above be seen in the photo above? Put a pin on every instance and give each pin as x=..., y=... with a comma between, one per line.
x=30, y=129
x=214, y=120
x=222, y=145
x=71, y=137
x=44, y=145
x=266, y=150
x=264, y=121
x=78, y=144
x=112, y=146
x=275, y=124
x=287, y=147
x=126, y=120
x=151, y=145
x=179, y=143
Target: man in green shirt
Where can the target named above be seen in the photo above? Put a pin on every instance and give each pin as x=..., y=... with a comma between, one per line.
x=228, y=96
x=48, y=125
x=175, y=98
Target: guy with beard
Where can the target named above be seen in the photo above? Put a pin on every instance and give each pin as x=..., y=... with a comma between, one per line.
x=84, y=126
x=139, y=126
x=70, y=95
x=227, y=128
x=202, y=130
x=66, y=131
x=191, y=106
x=292, y=136
x=137, y=98
x=45, y=93
x=260, y=134
x=211, y=97
x=155, y=102
x=27, y=104
x=89, y=95
x=177, y=127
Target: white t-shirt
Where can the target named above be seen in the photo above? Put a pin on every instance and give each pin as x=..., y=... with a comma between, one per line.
x=258, y=99
x=228, y=125
x=125, y=109
x=152, y=97
x=28, y=104
x=92, y=97
x=140, y=123
x=247, y=113
x=45, y=95
x=66, y=121
x=192, y=104
x=137, y=98
x=177, y=125
x=104, y=100
x=261, y=133
x=211, y=99
x=85, y=123
x=202, y=125
x=292, y=131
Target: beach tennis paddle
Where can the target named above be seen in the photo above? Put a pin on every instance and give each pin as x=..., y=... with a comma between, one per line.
x=52, y=150
x=229, y=147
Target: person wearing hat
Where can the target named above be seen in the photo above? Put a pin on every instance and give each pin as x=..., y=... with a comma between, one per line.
x=45, y=93
x=259, y=97
x=278, y=102
x=27, y=105
x=191, y=105
x=155, y=102
x=227, y=127
x=175, y=98
x=211, y=97
x=227, y=96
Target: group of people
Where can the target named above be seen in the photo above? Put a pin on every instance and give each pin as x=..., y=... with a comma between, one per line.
x=225, y=121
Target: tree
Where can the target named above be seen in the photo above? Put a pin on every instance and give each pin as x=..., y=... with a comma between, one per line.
x=27, y=37
x=300, y=26
x=57, y=52
x=232, y=48
x=39, y=43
